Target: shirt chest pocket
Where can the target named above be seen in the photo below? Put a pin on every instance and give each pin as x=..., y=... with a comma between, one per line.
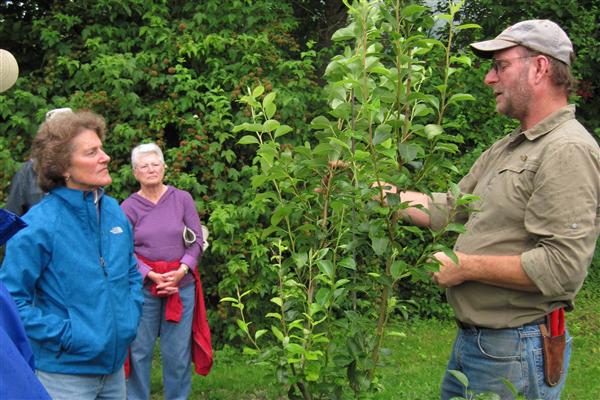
x=516, y=180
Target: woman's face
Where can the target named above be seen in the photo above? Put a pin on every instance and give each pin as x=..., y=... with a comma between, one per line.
x=88, y=169
x=149, y=170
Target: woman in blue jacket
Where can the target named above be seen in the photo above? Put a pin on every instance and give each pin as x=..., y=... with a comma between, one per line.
x=72, y=272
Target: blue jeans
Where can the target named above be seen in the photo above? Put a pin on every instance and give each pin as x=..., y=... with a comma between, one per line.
x=488, y=356
x=175, y=348
x=84, y=387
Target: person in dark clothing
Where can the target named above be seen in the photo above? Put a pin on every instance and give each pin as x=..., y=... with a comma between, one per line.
x=24, y=190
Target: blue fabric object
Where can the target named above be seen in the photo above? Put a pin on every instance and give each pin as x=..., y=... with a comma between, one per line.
x=77, y=265
x=9, y=225
x=84, y=387
x=17, y=379
x=488, y=356
x=175, y=348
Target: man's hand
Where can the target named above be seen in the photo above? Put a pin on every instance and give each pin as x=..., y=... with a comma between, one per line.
x=416, y=213
x=449, y=274
x=385, y=189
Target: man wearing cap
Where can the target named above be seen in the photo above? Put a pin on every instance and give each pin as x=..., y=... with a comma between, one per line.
x=531, y=235
x=24, y=190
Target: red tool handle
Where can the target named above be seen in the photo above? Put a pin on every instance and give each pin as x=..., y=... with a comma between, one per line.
x=556, y=322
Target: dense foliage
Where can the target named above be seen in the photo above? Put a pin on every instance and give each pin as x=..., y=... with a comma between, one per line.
x=170, y=72
x=380, y=99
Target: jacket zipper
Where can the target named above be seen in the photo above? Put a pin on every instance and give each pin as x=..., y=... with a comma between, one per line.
x=103, y=266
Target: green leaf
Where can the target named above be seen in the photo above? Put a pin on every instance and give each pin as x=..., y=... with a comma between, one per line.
x=458, y=97
x=230, y=299
x=323, y=296
x=382, y=133
x=278, y=334
x=294, y=348
x=258, y=91
x=248, y=139
x=451, y=254
x=346, y=33
x=454, y=227
x=270, y=110
x=320, y=122
x=467, y=26
x=278, y=301
x=326, y=267
x=396, y=334
x=462, y=378
x=270, y=125
x=243, y=326
x=274, y=315
x=412, y=11
x=268, y=100
x=511, y=386
x=380, y=245
x=348, y=262
x=408, y=152
x=464, y=60
x=248, y=351
x=433, y=130
x=300, y=259
x=334, y=140
x=282, y=130
x=399, y=269
x=259, y=333
x=280, y=212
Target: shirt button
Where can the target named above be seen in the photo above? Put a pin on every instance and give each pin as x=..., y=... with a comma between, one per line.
x=523, y=157
x=574, y=226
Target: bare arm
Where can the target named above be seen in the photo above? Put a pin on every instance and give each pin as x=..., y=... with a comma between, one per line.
x=503, y=271
x=413, y=214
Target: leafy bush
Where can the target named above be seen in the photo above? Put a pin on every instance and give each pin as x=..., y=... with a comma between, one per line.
x=337, y=255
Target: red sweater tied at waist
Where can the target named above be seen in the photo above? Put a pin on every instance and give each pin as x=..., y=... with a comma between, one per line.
x=174, y=306
x=202, y=356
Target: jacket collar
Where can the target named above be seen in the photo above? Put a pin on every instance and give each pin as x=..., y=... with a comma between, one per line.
x=77, y=198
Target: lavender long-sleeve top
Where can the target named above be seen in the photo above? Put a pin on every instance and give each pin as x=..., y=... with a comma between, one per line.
x=158, y=228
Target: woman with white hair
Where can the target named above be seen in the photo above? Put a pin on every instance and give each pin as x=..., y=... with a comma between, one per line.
x=167, y=240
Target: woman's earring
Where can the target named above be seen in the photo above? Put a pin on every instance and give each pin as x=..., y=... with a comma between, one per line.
x=67, y=177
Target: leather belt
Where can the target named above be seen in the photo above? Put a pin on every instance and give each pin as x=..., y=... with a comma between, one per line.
x=464, y=325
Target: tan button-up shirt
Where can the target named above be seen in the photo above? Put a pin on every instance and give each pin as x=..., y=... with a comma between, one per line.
x=539, y=196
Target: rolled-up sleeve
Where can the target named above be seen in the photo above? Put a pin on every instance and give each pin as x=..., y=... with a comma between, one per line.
x=563, y=214
x=441, y=205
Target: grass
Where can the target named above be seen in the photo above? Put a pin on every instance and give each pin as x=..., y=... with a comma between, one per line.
x=415, y=365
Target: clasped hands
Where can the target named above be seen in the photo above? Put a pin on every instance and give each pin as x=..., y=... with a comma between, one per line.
x=167, y=283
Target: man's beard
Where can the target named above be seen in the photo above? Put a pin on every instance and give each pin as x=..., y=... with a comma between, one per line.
x=516, y=100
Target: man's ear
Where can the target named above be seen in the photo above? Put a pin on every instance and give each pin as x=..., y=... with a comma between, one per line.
x=542, y=67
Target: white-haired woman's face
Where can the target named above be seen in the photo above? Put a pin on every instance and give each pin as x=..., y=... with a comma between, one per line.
x=149, y=169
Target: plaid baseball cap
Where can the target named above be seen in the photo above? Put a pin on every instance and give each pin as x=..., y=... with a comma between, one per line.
x=540, y=35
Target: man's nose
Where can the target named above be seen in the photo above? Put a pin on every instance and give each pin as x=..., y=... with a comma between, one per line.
x=491, y=77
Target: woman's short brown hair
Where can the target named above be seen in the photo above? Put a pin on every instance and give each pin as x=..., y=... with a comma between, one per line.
x=52, y=146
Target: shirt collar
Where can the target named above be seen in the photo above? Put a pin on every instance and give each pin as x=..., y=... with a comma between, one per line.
x=545, y=126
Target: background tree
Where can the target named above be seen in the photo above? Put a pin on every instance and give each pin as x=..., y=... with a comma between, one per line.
x=174, y=71
x=579, y=18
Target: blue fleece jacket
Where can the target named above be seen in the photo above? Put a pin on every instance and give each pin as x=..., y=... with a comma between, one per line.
x=73, y=276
